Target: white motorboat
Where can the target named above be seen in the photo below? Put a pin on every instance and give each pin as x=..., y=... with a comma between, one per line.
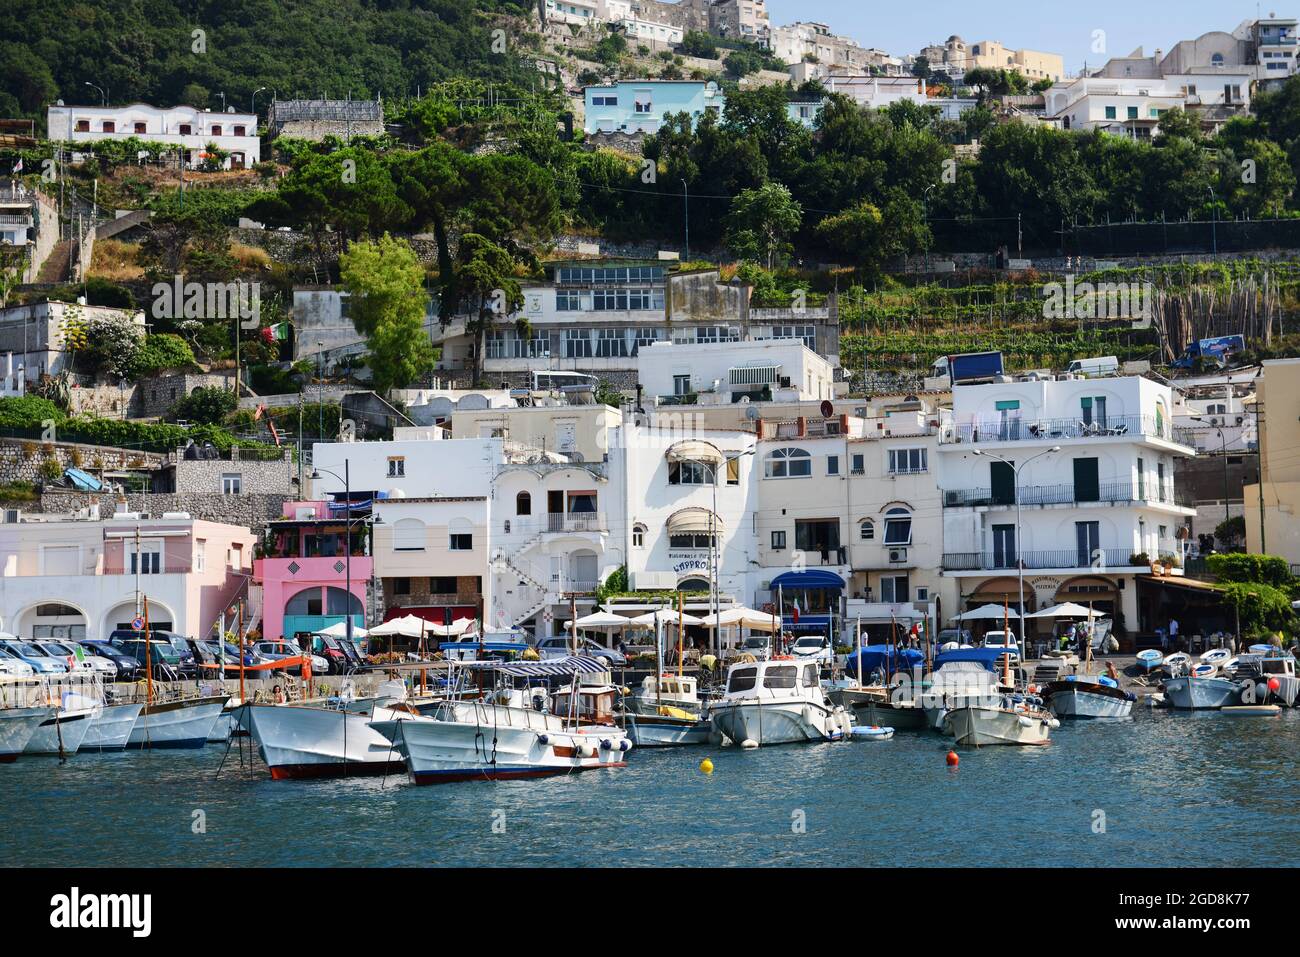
x=17, y=725
x=961, y=676
x=1012, y=720
x=1191, y=693
x=111, y=729
x=670, y=728
x=1273, y=673
x=515, y=732
x=63, y=732
x=1088, y=696
x=779, y=701
x=182, y=723
x=324, y=737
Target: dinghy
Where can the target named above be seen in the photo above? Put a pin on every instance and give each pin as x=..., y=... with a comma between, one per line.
x=1176, y=662
x=1204, y=670
x=1150, y=659
x=1216, y=656
x=862, y=733
x=1253, y=710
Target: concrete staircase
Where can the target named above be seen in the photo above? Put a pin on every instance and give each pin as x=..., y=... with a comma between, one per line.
x=55, y=267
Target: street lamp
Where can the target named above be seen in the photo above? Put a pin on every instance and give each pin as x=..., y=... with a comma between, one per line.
x=1020, y=565
x=925, y=216
x=253, y=105
x=686, y=203
x=1214, y=220
x=103, y=93
x=346, y=478
x=715, y=554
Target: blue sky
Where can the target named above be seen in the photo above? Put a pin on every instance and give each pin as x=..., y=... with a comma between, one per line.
x=1054, y=27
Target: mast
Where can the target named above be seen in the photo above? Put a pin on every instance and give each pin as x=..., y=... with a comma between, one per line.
x=681, y=624
x=148, y=656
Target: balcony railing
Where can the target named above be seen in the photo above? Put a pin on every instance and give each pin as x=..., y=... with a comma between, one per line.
x=1110, y=493
x=575, y=522
x=1097, y=559
x=1050, y=430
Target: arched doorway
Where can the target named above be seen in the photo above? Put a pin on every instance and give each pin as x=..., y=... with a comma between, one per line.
x=118, y=618
x=57, y=620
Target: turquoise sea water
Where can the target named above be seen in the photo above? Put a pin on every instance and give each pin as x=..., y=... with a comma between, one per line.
x=1158, y=783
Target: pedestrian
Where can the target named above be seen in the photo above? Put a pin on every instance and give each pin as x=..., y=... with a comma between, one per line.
x=1173, y=633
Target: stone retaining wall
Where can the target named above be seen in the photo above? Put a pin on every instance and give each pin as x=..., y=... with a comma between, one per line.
x=21, y=460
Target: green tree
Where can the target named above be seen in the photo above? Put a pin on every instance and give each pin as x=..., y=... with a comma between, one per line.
x=761, y=222
x=699, y=44
x=386, y=282
x=485, y=281
x=207, y=405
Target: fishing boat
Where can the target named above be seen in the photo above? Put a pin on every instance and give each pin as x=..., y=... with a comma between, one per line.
x=112, y=727
x=1149, y=659
x=325, y=737
x=961, y=676
x=1014, y=720
x=881, y=688
x=1088, y=696
x=1189, y=692
x=178, y=723
x=667, y=710
x=62, y=732
x=514, y=732
x=779, y=701
x=1272, y=674
x=17, y=725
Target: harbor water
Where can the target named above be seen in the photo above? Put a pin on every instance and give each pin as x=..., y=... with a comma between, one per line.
x=1152, y=790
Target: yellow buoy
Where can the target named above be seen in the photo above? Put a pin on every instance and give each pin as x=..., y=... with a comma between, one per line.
x=706, y=766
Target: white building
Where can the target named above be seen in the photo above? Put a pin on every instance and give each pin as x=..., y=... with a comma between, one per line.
x=189, y=128
x=814, y=42
x=36, y=334
x=1133, y=107
x=1094, y=515
x=676, y=373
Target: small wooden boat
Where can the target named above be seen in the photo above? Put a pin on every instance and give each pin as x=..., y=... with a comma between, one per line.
x=1216, y=656
x=1176, y=662
x=1204, y=670
x=1150, y=659
x=1253, y=710
x=864, y=733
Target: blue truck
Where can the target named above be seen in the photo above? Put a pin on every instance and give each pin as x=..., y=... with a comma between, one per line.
x=1218, y=348
x=969, y=367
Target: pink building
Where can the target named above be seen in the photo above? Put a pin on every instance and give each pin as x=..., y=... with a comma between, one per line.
x=304, y=570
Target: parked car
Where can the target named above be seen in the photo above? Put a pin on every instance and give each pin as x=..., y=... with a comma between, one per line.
x=760, y=646
x=561, y=646
x=961, y=636
x=178, y=643
x=162, y=658
x=490, y=645
x=41, y=662
x=87, y=662
x=331, y=649
x=12, y=665
x=1002, y=639
x=231, y=652
x=276, y=650
x=813, y=648
x=127, y=666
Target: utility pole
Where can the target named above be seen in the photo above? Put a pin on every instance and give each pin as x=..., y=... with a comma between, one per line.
x=686, y=204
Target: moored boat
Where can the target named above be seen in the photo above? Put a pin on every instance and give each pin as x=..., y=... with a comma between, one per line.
x=1088, y=696
x=112, y=727
x=961, y=676
x=779, y=701
x=62, y=732
x=182, y=723
x=1010, y=720
x=1149, y=659
x=17, y=725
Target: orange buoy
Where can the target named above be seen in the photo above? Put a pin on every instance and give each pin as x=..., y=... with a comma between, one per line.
x=953, y=759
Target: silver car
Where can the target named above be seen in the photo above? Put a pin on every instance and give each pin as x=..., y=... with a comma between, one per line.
x=12, y=665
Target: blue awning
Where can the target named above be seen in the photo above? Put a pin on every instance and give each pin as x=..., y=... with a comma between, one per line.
x=988, y=657
x=83, y=481
x=816, y=578
x=888, y=657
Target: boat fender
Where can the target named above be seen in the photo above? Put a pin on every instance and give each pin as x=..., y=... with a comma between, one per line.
x=1261, y=692
x=625, y=745
x=585, y=750
x=543, y=739
x=606, y=744
x=1025, y=722
x=1053, y=723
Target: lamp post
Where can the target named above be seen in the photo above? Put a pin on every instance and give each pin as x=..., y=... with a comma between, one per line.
x=1020, y=565
x=715, y=554
x=1224, y=438
x=686, y=205
x=103, y=93
x=253, y=104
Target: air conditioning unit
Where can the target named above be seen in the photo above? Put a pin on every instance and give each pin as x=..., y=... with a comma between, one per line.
x=898, y=554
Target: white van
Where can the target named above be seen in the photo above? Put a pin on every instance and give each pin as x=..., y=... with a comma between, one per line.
x=1106, y=365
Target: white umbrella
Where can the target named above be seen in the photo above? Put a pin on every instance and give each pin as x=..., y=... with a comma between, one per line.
x=988, y=613
x=1068, y=610
x=665, y=616
x=408, y=626
x=340, y=630
x=745, y=618
x=457, y=627
x=600, y=621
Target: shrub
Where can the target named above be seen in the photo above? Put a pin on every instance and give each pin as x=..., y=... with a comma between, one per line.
x=161, y=351
x=50, y=470
x=1260, y=569
x=1260, y=607
x=206, y=406
x=27, y=412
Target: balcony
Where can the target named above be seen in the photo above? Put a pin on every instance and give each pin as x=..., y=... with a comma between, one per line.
x=1099, y=560
x=802, y=428
x=565, y=522
x=1054, y=430
x=1111, y=493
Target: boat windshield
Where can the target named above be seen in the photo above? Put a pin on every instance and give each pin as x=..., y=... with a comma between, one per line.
x=742, y=679
x=810, y=678
x=782, y=676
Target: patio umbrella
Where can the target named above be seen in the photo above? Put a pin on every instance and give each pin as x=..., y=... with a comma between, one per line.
x=745, y=618
x=988, y=613
x=340, y=630
x=664, y=616
x=457, y=627
x=1067, y=610
x=600, y=621
x=408, y=626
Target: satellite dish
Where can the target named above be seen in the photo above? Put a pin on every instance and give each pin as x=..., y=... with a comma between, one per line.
x=828, y=409
x=751, y=413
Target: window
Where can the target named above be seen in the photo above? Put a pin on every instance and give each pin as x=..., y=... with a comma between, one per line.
x=646, y=337
x=894, y=589
x=523, y=504
x=898, y=527
x=733, y=470
x=788, y=463
x=923, y=594
x=817, y=535
x=690, y=473
x=461, y=542
x=577, y=344
x=1160, y=481
x=604, y=101
x=1087, y=537
x=611, y=343
x=186, y=129
x=778, y=541
x=141, y=128
x=907, y=461
x=691, y=540
x=832, y=465
x=442, y=585
x=867, y=530
x=200, y=554
x=638, y=536
x=408, y=535
x=858, y=465
x=781, y=676
x=396, y=466
x=109, y=126
x=306, y=602
x=216, y=129
x=1132, y=112
x=1110, y=113
x=239, y=131
x=150, y=558
x=1142, y=481
x=232, y=483
x=401, y=586
x=681, y=385
x=83, y=126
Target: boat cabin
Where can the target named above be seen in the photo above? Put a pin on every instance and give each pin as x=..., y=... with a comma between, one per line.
x=670, y=689
x=778, y=675
x=595, y=704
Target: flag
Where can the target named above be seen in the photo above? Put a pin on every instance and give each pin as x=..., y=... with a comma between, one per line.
x=796, y=611
x=18, y=167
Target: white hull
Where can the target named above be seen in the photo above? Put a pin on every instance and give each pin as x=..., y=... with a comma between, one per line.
x=656, y=731
x=491, y=742
x=1079, y=702
x=1201, y=693
x=176, y=724
x=17, y=725
x=61, y=733
x=777, y=721
x=111, y=730
x=986, y=726
x=303, y=741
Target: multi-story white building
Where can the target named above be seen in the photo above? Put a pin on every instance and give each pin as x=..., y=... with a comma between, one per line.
x=1133, y=106
x=1093, y=515
x=740, y=20
x=694, y=373
x=35, y=334
x=814, y=42
x=187, y=127
x=878, y=92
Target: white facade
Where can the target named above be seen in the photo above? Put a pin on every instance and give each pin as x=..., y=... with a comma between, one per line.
x=1092, y=514
x=184, y=126
x=673, y=372
x=36, y=334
